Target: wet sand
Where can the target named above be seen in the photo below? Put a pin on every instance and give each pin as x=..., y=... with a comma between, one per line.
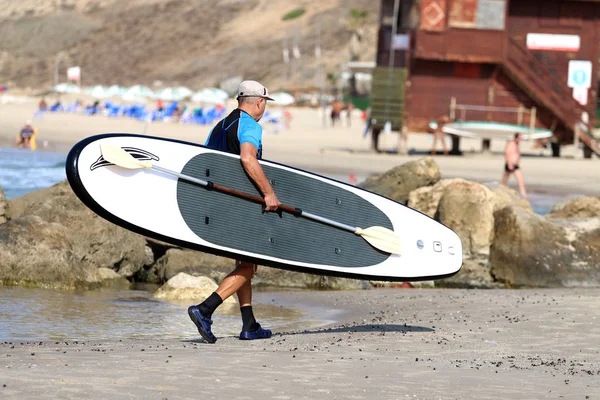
x=336, y=151
x=387, y=343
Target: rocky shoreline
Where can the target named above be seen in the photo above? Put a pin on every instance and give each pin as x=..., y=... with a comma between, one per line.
x=48, y=238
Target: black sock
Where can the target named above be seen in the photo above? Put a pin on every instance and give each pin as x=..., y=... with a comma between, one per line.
x=248, y=320
x=208, y=306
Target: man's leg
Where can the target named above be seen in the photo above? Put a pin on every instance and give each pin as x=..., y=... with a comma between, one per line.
x=244, y=295
x=521, y=182
x=202, y=313
x=443, y=139
x=505, y=178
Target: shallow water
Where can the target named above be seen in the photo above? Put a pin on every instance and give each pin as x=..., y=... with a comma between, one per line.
x=37, y=314
x=23, y=171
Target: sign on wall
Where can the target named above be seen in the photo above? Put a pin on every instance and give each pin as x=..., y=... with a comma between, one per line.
x=400, y=42
x=433, y=15
x=580, y=74
x=74, y=74
x=580, y=79
x=581, y=95
x=478, y=14
x=552, y=42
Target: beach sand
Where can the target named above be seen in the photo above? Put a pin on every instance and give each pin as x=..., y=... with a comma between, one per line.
x=338, y=151
x=388, y=344
x=385, y=343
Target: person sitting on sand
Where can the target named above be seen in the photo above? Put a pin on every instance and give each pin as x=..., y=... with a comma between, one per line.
x=512, y=156
x=25, y=138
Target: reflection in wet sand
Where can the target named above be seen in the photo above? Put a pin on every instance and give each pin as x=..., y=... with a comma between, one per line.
x=38, y=314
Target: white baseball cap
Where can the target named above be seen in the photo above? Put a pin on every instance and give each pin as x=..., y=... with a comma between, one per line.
x=253, y=89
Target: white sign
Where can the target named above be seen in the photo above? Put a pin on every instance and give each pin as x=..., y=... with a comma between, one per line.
x=546, y=41
x=581, y=95
x=73, y=73
x=580, y=74
x=400, y=42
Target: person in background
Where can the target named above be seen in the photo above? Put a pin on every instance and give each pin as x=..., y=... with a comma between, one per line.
x=26, y=137
x=336, y=109
x=440, y=135
x=512, y=157
x=43, y=106
x=349, y=109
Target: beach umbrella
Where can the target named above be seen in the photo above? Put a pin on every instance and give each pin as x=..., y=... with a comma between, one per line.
x=98, y=91
x=67, y=88
x=116, y=90
x=172, y=94
x=134, y=98
x=185, y=91
x=139, y=91
x=210, y=95
x=283, y=98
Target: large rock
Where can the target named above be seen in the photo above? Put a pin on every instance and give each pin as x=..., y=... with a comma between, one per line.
x=426, y=199
x=275, y=277
x=505, y=196
x=398, y=182
x=191, y=262
x=34, y=252
x=96, y=242
x=530, y=250
x=468, y=209
x=175, y=261
x=580, y=207
x=187, y=287
x=3, y=207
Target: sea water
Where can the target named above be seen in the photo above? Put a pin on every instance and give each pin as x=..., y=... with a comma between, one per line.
x=23, y=171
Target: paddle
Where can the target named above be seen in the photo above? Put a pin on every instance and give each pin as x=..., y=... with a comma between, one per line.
x=377, y=236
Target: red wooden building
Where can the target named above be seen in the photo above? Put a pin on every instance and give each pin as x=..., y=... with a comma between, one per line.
x=492, y=53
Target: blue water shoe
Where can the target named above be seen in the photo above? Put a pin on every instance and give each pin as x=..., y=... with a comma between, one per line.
x=260, y=333
x=202, y=323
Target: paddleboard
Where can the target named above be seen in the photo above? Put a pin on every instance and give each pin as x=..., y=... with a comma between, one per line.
x=183, y=213
x=491, y=130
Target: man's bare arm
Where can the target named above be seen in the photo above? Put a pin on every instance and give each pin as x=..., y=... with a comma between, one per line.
x=253, y=168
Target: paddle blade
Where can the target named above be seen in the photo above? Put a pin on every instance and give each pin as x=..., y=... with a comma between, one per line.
x=116, y=155
x=381, y=238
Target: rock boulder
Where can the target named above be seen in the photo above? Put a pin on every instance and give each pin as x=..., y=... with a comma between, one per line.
x=530, y=250
x=187, y=287
x=468, y=209
x=34, y=252
x=580, y=207
x=95, y=242
x=398, y=182
x=3, y=207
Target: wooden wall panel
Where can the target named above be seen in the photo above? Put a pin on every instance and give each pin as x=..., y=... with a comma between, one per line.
x=559, y=17
x=460, y=45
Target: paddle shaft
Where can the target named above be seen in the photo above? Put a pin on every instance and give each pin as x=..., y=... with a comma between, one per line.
x=292, y=210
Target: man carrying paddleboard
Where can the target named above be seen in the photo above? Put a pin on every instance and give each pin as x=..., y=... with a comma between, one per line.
x=240, y=133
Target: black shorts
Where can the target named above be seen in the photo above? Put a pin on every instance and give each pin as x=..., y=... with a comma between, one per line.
x=510, y=170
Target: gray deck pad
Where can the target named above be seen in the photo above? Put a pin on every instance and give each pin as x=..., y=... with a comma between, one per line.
x=239, y=224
